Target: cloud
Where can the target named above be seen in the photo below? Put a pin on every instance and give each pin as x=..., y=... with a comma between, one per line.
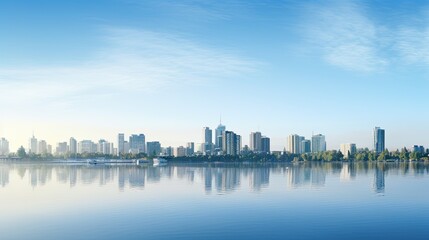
x=346, y=37
x=412, y=44
x=131, y=61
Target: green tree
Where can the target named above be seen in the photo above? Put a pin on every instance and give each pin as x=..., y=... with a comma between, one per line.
x=21, y=152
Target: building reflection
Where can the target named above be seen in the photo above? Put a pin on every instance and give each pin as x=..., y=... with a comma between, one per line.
x=218, y=178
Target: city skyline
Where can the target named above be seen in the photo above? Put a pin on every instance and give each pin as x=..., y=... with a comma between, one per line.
x=278, y=68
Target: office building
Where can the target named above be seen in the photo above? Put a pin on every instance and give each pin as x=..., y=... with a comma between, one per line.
x=379, y=140
x=265, y=145
x=294, y=143
x=121, y=140
x=305, y=146
x=137, y=143
x=62, y=148
x=180, y=151
x=348, y=149
x=32, y=145
x=4, y=147
x=42, y=147
x=207, y=145
x=318, y=143
x=86, y=146
x=218, y=136
x=231, y=144
x=72, y=145
x=255, y=143
x=190, y=148
x=153, y=148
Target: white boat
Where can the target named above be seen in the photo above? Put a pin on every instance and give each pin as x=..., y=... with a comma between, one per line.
x=159, y=161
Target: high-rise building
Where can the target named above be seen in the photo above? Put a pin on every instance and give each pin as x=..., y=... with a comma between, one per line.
x=49, y=149
x=207, y=145
x=218, y=136
x=379, y=139
x=73, y=145
x=153, y=148
x=180, y=151
x=347, y=148
x=138, y=143
x=190, y=148
x=265, y=145
x=4, y=147
x=318, y=143
x=32, y=145
x=86, y=146
x=121, y=140
x=168, y=151
x=42, y=147
x=231, y=144
x=255, y=142
x=294, y=143
x=62, y=148
x=305, y=146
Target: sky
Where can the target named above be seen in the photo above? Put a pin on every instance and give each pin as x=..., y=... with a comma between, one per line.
x=92, y=69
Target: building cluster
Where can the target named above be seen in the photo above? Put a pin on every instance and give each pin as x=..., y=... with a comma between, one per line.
x=223, y=142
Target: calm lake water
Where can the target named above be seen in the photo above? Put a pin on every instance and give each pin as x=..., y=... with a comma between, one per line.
x=214, y=201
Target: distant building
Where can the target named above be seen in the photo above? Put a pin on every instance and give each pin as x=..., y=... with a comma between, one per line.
x=318, y=143
x=32, y=145
x=255, y=143
x=180, y=151
x=153, y=148
x=190, y=149
x=379, y=140
x=218, y=136
x=42, y=147
x=121, y=140
x=265, y=145
x=137, y=143
x=86, y=146
x=207, y=145
x=62, y=148
x=168, y=151
x=4, y=147
x=305, y=146
x=231, y=143
x=294, y=143
x=419, y=149
x=348, y=148
x=73, y=145
x=49, y=149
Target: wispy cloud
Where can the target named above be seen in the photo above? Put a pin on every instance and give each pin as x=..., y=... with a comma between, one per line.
x=412, y=44
x=346, y=37
x=131, y=61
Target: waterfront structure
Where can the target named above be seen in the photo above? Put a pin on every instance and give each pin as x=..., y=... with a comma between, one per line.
x=153, y=148
x=207, y=144
x=62, y=148
x=32, y=145
x=190, y=148
x=137, y=143
x=379, y=140
x=72, y=145
x=294, y=142
x=265, y=145
x=121, y=140
x=42, y=147
x=180, y=151
x=318, y=143
x=255, y=143
x=305, y=146
x=4, y=147
x=348, y=149
x=231, y=144
x=218, y=136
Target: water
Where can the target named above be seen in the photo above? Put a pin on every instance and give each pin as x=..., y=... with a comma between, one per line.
x=214, y=201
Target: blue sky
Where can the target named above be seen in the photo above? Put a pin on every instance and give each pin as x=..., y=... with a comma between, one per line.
x=91, y=69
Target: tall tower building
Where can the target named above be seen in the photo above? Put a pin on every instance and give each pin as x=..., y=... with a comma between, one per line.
x=265, y=145
x=231, y=144
x=305, y=146
x=255, y=142
x=207, y=141
x=121, y=141
x=42, y=147
x=4, y=147
x=218, y=136
x=379, y=139
x=348, y=148
x=294, y=142
x=138, y=143
x=32, y=145
x=73, y=145
x=318, y=143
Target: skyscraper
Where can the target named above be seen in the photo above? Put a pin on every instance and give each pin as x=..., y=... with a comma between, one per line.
x=42, y=147
x=255, y=142
x=153, y=148
x=121, y=140
x=265, y=145
x=348, y=148
x=218, y=136
x=305, y=146
x=137, y=143
x=32, y=145
x=4, y=147
x=231, y=144
x=190, y=148
x=294, y=142
x=318, y=143
x=207, y=141
x=73, y=145
x=379, y=139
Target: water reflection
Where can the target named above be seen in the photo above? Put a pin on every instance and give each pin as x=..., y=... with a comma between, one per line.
x=218, y=178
